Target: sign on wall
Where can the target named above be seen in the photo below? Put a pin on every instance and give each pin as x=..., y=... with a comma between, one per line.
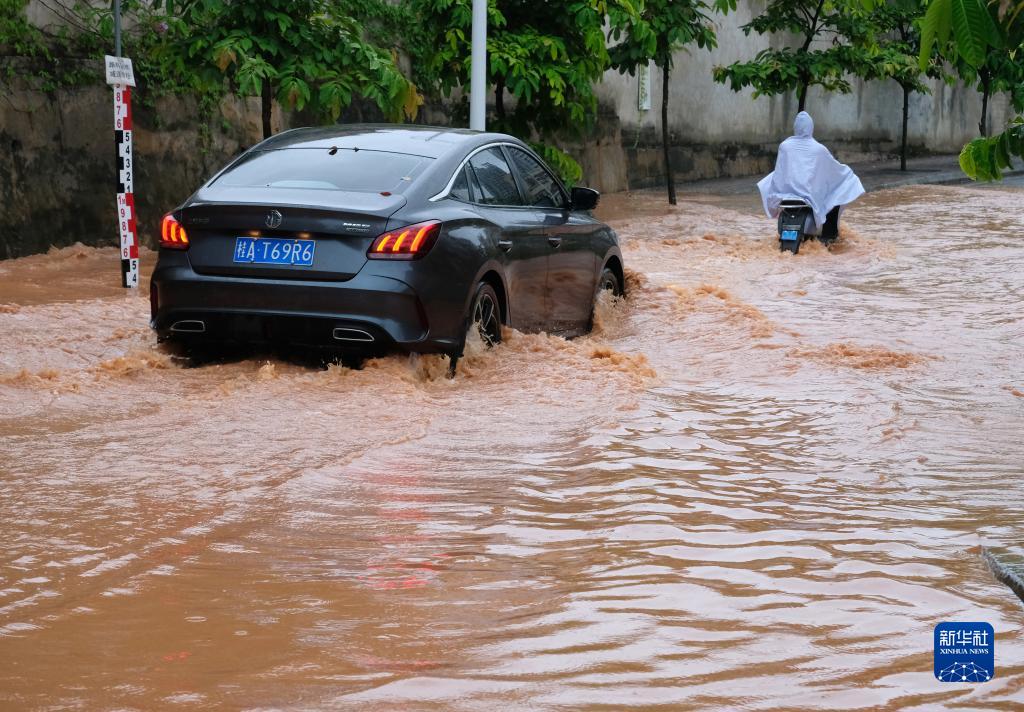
x=643, y=87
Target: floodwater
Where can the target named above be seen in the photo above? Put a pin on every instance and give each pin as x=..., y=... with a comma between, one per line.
x=759, y=485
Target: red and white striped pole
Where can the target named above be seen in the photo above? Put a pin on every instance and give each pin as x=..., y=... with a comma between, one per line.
x=122, y=78
x=125, y=190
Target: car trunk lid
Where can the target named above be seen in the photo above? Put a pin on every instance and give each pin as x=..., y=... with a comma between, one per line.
x=342, y=224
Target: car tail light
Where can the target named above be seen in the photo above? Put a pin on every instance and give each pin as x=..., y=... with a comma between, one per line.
x=405, y=243
x=172, y=234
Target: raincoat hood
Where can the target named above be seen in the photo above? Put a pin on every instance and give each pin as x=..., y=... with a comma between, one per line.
x=803, y=127
x=805, y=170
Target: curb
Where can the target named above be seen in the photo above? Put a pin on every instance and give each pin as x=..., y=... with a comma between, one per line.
x=948, y=178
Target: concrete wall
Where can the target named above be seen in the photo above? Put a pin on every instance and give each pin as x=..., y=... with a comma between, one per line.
x=717, y=132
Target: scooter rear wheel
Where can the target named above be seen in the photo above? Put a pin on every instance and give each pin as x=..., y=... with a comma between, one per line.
x=790, y=246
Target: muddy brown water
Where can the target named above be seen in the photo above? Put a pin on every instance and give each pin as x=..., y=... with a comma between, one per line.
x=759, y=485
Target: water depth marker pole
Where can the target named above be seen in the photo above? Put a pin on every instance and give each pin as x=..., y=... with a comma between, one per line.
x=478, y=73
x=121, y=77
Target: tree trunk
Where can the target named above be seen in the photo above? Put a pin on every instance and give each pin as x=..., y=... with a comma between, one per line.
x=669, y=177
x=903, y=140
x=267, y=98
x=986, y=91
x=499, y=102
x=802, y=96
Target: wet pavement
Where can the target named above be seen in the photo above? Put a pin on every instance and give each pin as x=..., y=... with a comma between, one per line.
x=759, y=484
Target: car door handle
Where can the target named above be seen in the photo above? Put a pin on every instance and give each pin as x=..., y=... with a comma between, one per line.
x=554, y=241
x=506, y=245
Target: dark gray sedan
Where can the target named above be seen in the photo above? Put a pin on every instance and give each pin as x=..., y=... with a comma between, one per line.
x=373, y=238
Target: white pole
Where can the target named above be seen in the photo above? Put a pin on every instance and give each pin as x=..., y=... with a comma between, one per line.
x=478, y=78
x=117, y=28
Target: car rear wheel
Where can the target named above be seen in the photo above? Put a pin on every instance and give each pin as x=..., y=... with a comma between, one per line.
x=485, y=314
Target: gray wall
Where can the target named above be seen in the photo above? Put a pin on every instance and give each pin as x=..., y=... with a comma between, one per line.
x=718, y=132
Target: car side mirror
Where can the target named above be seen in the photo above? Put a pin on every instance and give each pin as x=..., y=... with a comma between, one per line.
x=583, y=199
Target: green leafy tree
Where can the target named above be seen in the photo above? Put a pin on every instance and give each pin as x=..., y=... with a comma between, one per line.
x=830, y=39
x=663, y=28
x=894, y=52
x=545, y=56
x=1001, y=71
x=967, y=30
x=304, y=53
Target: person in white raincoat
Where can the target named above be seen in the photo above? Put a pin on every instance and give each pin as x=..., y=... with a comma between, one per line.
x=805, y=170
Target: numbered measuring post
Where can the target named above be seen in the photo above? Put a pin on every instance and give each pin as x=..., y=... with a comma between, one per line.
x=122, y=78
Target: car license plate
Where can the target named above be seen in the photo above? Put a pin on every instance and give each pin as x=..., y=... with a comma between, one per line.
x=789, y=235
x=274, y=251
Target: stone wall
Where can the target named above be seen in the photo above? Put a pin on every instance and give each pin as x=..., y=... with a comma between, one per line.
x=57, y=183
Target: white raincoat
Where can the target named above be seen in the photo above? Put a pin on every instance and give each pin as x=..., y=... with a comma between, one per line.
x=805, y=170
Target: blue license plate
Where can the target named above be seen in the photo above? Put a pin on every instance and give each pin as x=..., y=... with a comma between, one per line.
x=790, y=235
x=274, y=251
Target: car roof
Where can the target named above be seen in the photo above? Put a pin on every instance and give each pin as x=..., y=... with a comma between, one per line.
x=429, y=141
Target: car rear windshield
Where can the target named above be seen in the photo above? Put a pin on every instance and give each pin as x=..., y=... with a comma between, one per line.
x=324, y=169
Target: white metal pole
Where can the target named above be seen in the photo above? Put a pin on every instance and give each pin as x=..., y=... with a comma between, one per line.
x=117, y=28
x=478, y=78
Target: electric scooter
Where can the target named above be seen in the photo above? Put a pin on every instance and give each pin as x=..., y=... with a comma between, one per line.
x=796, y=224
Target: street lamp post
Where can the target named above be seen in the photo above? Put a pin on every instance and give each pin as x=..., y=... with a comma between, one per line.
x=117, y=28
x=478, y=76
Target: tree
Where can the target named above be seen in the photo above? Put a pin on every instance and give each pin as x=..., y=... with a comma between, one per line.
x=966, y=30
x=302, y=52
x=779, y=70
x=894, y=54
x=1000, y=71
x=663, y=28
x=546, y=55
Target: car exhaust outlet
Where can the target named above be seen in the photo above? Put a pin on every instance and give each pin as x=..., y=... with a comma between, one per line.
x=342, y=334
x=189, y=326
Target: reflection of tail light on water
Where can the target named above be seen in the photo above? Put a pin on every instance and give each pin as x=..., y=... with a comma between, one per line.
x=401, y=570
x=402, y=559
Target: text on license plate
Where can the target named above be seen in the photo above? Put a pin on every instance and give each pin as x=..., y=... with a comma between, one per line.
x=789, y=234
x=274, y=251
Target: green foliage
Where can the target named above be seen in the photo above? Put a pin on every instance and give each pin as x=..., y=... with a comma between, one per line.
x=986, y=158
x=661, y=28
x=967, y=21
x=831, y=35
x=548, y=56
x=777, y=71
x=17, y=35
x=1002, y=69
x=307, y=52
x=896, y=46
x=974, y=33
x=47, y=61
x=561, y=162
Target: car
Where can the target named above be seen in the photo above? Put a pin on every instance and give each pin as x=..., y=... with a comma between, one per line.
x=372, y=238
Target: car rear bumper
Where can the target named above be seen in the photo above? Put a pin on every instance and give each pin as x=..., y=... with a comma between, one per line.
x=366, y=313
